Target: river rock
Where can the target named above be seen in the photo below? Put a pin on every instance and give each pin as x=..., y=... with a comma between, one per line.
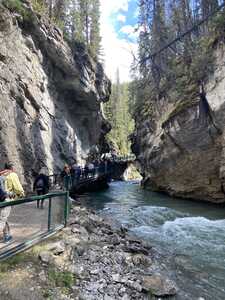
x=140, y=259
x=116, y=277
x=42, y=276
x=57, y=248
x=107, y=297
x=76, y=269
x=159, y=285
x=134, y=285
x=72, y=241
x=46, y=257
x=136, y=248
x=81, y=232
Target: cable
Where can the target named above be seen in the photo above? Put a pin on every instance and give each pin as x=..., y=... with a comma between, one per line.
x=194, y=27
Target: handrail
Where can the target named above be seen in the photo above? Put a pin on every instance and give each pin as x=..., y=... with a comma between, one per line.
x=32, y=199
x=84, y=174
x=52, y=226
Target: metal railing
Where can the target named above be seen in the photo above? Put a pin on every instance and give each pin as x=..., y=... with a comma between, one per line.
x=130, y=157
x=30, y=225
x=83, y=175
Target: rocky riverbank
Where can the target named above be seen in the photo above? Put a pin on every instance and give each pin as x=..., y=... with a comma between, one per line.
x=90, y=259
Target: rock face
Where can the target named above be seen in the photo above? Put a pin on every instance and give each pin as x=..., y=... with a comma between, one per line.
x=181, y=148
x=50, y=96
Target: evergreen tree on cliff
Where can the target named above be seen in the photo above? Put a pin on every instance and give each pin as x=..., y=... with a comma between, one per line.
x=79, y=19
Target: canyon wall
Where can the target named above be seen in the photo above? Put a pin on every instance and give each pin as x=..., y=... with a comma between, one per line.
x=50, y=96
x=180, y=148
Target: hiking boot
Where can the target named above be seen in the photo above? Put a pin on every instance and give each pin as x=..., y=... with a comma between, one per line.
x=7, y=238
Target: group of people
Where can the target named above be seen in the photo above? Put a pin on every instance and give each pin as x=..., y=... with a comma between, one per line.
x=11, y=188
x=72, y=174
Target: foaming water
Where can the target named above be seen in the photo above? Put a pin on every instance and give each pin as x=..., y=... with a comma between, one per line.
x=190, y=234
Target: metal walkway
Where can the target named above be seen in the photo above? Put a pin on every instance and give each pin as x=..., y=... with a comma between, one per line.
x=29, y=225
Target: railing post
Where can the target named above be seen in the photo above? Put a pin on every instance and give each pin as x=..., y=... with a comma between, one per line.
x=66, y=208
x=49, y=213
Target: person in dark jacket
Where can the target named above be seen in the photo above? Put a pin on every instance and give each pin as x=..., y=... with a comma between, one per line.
x=66, y=178
x=41, y=186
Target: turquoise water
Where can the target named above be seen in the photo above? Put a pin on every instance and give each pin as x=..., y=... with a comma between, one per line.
x=190, y=235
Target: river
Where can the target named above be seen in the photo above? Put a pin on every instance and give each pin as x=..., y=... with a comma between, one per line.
x=189, y=236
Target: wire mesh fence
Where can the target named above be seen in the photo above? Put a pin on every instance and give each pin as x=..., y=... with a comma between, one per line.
x=29, y=224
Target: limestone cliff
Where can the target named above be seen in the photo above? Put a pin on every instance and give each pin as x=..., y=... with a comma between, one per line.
x=181, y=147
x=50, y=96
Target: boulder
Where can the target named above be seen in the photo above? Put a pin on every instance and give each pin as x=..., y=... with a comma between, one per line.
x=159, y=285
x=46, y=257
x=57, y=248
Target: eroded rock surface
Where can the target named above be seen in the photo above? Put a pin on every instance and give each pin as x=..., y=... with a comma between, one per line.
x=180, y=148
x=50, y=96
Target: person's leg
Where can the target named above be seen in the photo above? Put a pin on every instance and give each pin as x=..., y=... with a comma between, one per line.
x=42, y=192
x=6, y=229
x=39, y=193
x=4, y=214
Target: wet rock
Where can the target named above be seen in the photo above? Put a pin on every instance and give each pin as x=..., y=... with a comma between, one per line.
x=136, y=248
x=115, y=240
x=107, y=231
x=95, y=219
x=159, y=285
x=141, y=259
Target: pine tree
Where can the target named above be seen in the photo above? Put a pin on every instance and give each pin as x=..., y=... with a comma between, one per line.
x=118, y=113
x=95, y=38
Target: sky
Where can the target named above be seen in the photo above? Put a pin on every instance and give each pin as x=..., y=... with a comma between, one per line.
x=119, y=38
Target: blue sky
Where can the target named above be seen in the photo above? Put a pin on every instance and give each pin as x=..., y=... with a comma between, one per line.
x=127, y=19
x=119, y=39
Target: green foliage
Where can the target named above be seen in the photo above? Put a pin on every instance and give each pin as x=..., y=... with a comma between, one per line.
x=178, y=72
x=12, y=262
x=85, y=24
x=180, y=107
x=63, y=279
x=78, y=19
x=117, y=112
x=16, y=6
x=40, y=7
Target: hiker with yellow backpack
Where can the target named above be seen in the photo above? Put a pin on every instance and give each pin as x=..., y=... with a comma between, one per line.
x=10, y=188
